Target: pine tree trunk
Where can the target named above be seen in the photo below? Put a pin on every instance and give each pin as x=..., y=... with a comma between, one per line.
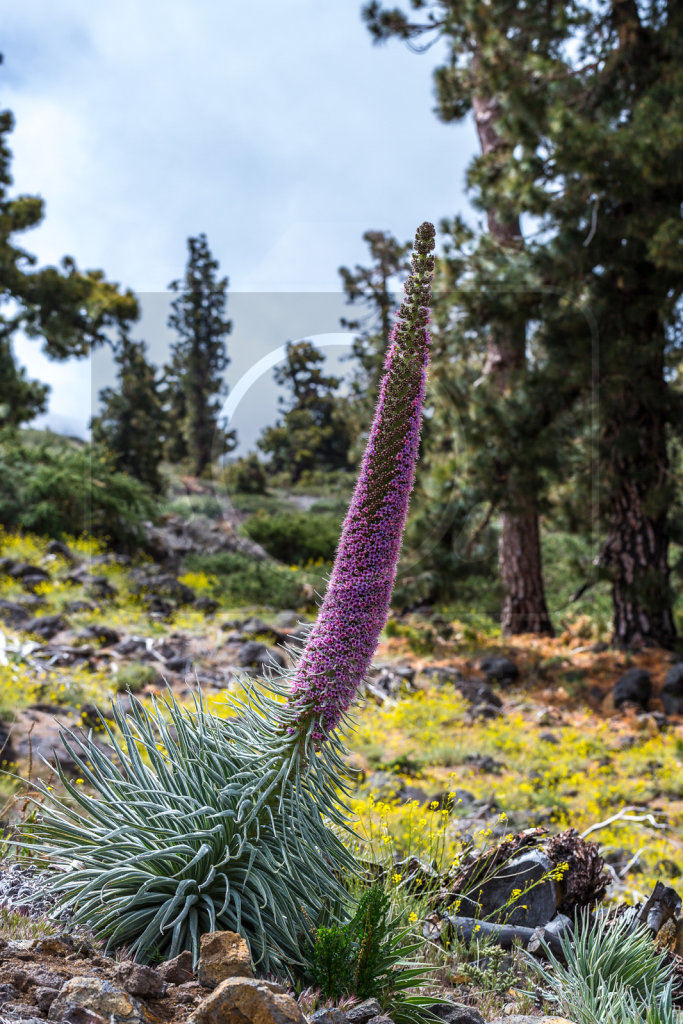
x=519, y=559
x=519, y=549
x=635, y=552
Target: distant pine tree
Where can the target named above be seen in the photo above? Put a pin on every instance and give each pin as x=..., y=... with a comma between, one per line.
x=132, y=422
x=20, y=398
x=370, y=287
x=314, y=432
x=68, y=309
x=194, y=378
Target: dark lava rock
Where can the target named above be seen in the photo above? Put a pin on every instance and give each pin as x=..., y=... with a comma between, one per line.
x=389, y=680
x=178, y=970
x=361, y=1013
x=46, y=626
x=45, y=996
x=13, y=615
x=74, y=607
x=102, y=635
x=478, y=693
x=485, y=763
x=206, y=605
x=159, y=607
x=132, y=645
x=23, y=889
x=139, y=980
x=8, y=993
x=181, y=664
x=259, y=657
x=287, y=619
x=328, y=1015
x=483, y=711
x=672, y=691
x=163, y=586
x=255, y=625
x=499, y=670
x=385, y=785
x=58, y=547
x=533, y=908
x=442, y=674
x=455, y=1013
x=20, y=570
x=100, y=587
x=24, y=1012
x=633, y=687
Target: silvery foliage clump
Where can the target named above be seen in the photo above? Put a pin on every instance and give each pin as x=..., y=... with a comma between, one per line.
x=224, y=824
x=612, y=974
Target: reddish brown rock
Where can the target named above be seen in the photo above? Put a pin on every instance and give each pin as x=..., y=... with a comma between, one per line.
x=237, y=1000
x=177, y=970
x=139, y=980
x=223, y=955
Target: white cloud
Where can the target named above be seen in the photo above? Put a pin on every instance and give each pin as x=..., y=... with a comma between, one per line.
x=278, y=129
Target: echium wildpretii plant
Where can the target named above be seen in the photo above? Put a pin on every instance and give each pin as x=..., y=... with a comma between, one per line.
x=199, y=823
x=341, y=645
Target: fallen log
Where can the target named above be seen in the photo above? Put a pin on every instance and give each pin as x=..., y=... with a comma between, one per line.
x=471, y=929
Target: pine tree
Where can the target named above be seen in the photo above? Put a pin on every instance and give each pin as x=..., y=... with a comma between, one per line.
x=369, y=286
x=69, y=310
x=314, y=432
x=615, y=131
x=132, y=422
x=20, y=398
x=474, y=80
x=584, y=99
x=199, y=357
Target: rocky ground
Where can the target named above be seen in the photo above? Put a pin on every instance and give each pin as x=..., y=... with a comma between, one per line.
x=454, y=723
x=63, y=977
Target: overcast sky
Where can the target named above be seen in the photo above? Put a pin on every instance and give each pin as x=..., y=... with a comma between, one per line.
x=274, y=126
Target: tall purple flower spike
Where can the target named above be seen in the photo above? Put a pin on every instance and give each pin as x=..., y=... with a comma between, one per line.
x=343, y=641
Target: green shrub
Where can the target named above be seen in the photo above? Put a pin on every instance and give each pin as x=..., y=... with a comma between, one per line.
x=246, y=475
x=370, y=957
x=54, y=488
x=241, y=580
x=336, y=504
x=421, y=641
x=251, y=503
x=136, y=677
x=296, y=538
x=197, y=505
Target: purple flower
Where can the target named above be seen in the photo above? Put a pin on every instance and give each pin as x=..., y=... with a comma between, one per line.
x=343, y=641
